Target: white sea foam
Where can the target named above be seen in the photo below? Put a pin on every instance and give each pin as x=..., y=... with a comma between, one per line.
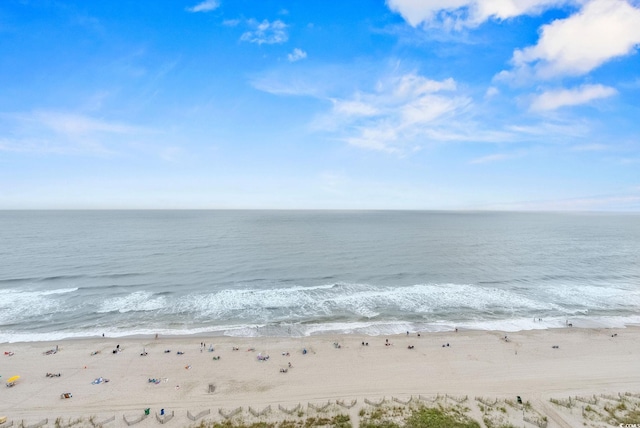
x=15, y=304
x=138, y=301
x=355, y=300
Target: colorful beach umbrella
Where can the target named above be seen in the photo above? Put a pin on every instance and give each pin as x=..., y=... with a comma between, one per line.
x=12, y=379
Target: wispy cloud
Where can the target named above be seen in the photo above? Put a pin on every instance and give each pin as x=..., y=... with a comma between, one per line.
x=265, y=32
x=492, y=91
x=63, y=132
x=457, y=14
x=491, y=158
x=401, y=111
x=205, y=6
x=552, y=100
x=231, y=22
x=76, y=124
x=320, y=81
x=296, y=55
x=592, y=147
x=599, y=32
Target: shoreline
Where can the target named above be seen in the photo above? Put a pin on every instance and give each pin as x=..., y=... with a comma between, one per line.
x=475, y=364
x=517, y=325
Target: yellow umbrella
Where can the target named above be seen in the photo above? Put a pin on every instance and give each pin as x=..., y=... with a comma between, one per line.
x=13, y=379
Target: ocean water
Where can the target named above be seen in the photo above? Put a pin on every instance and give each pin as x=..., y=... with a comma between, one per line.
x=277, y=273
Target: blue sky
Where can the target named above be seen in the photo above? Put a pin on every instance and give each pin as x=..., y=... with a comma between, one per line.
x=315, y=104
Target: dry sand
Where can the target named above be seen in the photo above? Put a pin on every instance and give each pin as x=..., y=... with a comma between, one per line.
x=475, y=364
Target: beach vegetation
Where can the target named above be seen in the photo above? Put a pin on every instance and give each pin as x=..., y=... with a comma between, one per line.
x=419, y=417
x=60, y=422
x=631, y=417
x=426, y=417
x=377, y=414
x=489, y=423
x=337, y=421
x=379, y=424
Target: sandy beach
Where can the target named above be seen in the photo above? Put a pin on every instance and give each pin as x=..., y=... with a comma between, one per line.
x=184, y=377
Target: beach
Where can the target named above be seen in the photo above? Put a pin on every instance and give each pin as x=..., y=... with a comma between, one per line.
x=183, y=376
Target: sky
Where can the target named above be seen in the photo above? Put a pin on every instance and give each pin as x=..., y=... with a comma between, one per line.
x=316, y=104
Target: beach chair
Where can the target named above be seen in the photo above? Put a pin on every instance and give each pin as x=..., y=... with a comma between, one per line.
x=66, y=395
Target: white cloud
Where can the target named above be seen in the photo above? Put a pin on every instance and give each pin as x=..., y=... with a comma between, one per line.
x=403, y=111
x=601, y=31
x=491, y=92
x=297, y=55
x=491, y=158
x=205, y=6
x=266, y=32
x=231, y=22
x=592, y=147
x=63, y=132
x=552, y=100
x=354, y=108
x=383, y=138
x=468, y=13
x=75, y=124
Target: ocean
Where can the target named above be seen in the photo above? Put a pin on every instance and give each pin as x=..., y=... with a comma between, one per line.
x=70, y=274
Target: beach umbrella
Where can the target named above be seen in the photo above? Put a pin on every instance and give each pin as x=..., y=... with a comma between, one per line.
x=13, y=379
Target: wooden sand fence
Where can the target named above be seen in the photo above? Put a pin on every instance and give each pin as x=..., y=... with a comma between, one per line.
x=319, y=408
x=38, y=425
x=611, y=397
x=458, y=400
x=538, y=422
x=290, y=411
x=103, y=423
x=565, y=403
x=345, y=405
x=230, y=414
x=374, y=404
x=258, y=414
x=487, y=402
x=135, y=421
x=397, y=400
x=199, y=415
x=429, y=399
x=588, y=400
x=165, y=418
